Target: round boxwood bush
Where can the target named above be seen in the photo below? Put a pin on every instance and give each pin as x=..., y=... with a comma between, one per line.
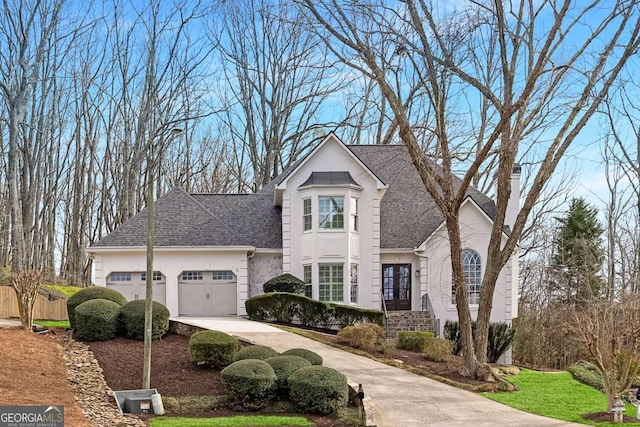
x=93, y=292
x=284, y=366
x=284, y=283
x=132, y=319
x=312, y=357
x=97, y=320
x=260, y=352
x=318, y=389
x=251, y=382
x=213, y=348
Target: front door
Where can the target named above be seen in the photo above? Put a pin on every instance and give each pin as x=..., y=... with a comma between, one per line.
x=396, y=285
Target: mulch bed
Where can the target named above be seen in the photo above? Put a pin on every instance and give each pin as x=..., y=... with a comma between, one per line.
x=600, y=417
x=449, y=369
x=172, y=373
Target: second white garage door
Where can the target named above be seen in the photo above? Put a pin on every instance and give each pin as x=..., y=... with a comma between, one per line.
x=207, y=293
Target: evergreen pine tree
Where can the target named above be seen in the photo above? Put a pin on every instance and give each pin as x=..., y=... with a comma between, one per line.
x=578, y=254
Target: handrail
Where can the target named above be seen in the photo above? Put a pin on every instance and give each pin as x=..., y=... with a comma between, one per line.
x=385, y=314
x=425, y=305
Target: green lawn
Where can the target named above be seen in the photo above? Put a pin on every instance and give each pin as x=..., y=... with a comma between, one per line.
x=236, y=421
x=53, y=323
x=556, y=395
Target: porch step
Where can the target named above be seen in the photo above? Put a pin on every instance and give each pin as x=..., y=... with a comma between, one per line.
x=398, y=321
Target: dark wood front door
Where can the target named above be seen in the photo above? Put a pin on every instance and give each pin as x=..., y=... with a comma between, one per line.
x=396, y=286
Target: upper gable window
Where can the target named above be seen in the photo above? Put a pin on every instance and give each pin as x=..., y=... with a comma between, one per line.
x=306, y=214
x=331, y=213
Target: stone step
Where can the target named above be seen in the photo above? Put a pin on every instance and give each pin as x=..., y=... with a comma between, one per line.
x=398, y=321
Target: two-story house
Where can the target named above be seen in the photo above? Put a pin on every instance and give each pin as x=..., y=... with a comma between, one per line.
x=353, y=221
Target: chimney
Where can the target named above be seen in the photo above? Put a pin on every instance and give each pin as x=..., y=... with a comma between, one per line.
x=513, y=207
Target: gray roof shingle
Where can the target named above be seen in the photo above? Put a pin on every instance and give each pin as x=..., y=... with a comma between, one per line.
x=183, y=219
x=408, y=214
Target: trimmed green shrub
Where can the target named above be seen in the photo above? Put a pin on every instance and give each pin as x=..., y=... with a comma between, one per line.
x=312, y=312
x=367, y=336
x=587, y=373
x=500, y=338
x=259, y=352
x=413, y=340
x=97, y=320
x=284, y=307
x=251, y=383
x=213, y=348
x=312, y=357
x=284, y=283
x=279, y=306
x=437, y=349
x=132, y=319
x=318, y=389
x=284, y=366
x=346, y=315
x=93, y=292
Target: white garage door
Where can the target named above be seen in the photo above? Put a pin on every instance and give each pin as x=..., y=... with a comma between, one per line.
x=207, y=293
x=133, y=285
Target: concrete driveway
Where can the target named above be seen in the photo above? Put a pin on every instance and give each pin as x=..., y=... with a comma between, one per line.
x=396, y=398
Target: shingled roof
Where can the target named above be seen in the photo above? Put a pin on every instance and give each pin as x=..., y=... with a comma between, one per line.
x=408, y=214
x=192, y=220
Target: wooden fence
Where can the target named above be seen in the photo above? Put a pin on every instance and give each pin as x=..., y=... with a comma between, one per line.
x=44, y=309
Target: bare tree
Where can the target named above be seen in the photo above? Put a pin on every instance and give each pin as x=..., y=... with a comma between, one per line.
x=610, y=331
x=275, y=81
x=26, y=283
x=516, y=60
x=26, y=29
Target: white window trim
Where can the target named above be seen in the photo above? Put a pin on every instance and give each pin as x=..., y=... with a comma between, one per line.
x=309, y=215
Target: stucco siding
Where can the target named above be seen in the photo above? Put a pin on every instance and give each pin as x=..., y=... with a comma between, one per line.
x=475, y=229
x=334, y=246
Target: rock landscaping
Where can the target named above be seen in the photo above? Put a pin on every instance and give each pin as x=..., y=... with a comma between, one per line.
x=92, y=392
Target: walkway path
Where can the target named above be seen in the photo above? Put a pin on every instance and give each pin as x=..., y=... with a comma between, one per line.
x=398, y=398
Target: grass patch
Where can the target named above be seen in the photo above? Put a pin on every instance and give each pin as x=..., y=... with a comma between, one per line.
x=175, y=405
x=556, y=395
x=235, y=421
x=53, y=323
x=64, y=290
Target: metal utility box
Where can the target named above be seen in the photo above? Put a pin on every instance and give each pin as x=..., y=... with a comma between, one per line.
x=138, y=405
x=135, y=401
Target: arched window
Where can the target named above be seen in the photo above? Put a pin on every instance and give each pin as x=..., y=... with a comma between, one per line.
x=473, y=273
x=472, y=268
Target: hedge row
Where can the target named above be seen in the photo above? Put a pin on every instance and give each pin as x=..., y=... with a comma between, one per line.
x=587, y=373
x=285, y=307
